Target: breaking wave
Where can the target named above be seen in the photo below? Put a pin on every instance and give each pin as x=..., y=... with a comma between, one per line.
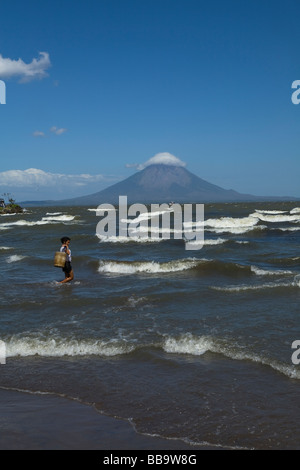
x=185, y=344
x=59, y=218
x=14, y=258
x=28, y=346
x=235, y=226
x=231, y=222
x=43, y=221
x=257, y=287
x=275, y=218
x=201, y=265
x=152, y=267
x=269, y=272
x=287, y=229
x=227, y=224
x=53, y=213
x=199, y=345
x=207, y=241
x=95, y=210
x=120, y=239
x=270, y=211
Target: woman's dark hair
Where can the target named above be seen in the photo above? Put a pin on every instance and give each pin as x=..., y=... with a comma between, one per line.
x=65, y=239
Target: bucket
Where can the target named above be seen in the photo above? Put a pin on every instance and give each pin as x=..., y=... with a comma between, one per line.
x=60, y=259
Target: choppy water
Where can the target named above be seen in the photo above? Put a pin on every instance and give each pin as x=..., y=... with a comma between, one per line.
x=194, y=345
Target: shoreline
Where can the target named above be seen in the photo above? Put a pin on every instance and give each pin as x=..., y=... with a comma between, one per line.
x=31, y=421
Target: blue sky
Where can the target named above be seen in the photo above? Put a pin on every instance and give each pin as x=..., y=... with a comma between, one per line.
x=102, y=85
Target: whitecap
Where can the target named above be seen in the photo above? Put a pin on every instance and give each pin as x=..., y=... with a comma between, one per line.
x=14, y=258
x=231, y=222
x=269, y=272
x=53, y=213
x=8, y=215
x=188, y=344
x=236, y=230
x=276, y=218
x=207, y=241
x=146, y=216
x=58, y=347
x=249, y=287
x=199, y=345
x=21, y=223
x=238, y=225
x=95, y=210
x=59, y=218
x=297, y=280
x=121, y=239
x=44, y=221
x=150, y=267
x=287, y=229
x=260, y=211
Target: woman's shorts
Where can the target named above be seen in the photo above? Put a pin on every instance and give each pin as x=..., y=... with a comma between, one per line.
x=67, y=268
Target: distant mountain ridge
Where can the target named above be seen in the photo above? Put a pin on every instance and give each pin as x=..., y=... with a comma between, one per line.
x=160, y=183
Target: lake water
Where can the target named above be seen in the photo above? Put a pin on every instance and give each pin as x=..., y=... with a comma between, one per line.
x=194, y=345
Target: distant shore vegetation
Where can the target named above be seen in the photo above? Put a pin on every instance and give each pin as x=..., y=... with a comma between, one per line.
x=8, y=205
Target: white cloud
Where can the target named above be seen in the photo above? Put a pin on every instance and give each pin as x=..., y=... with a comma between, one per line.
x=58, y=131
x=53, y=129
x=164, y=158
x=38, y=134
x=35, y=177
x=38, y=185
x=27, y=72
x=131, y=165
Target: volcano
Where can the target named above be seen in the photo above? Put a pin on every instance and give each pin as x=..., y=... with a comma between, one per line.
x=160, y=183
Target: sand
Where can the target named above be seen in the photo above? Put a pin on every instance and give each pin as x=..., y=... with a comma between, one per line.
x=47, y=422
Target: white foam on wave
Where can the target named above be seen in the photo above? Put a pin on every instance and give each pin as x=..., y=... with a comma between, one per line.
x=5, y=248
x=59, y=218
x=188, y=344
x=236, y=230
x=296, y=281
x=296, y=210
x=95, y=210
x=270, y=211
x=14, y=258
x=250, y=287
x=59, y=347
x=269, y=272
x=287, y=229
x=232, y=222
x=53, y=213
x=233, y=225
x=199, y=345
x=21, y=223
x=276, y=218
x=147, y=216
x=8, y=215
x=207, y=241
x=44, y=221
x=121, y=239
x=150, y=267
